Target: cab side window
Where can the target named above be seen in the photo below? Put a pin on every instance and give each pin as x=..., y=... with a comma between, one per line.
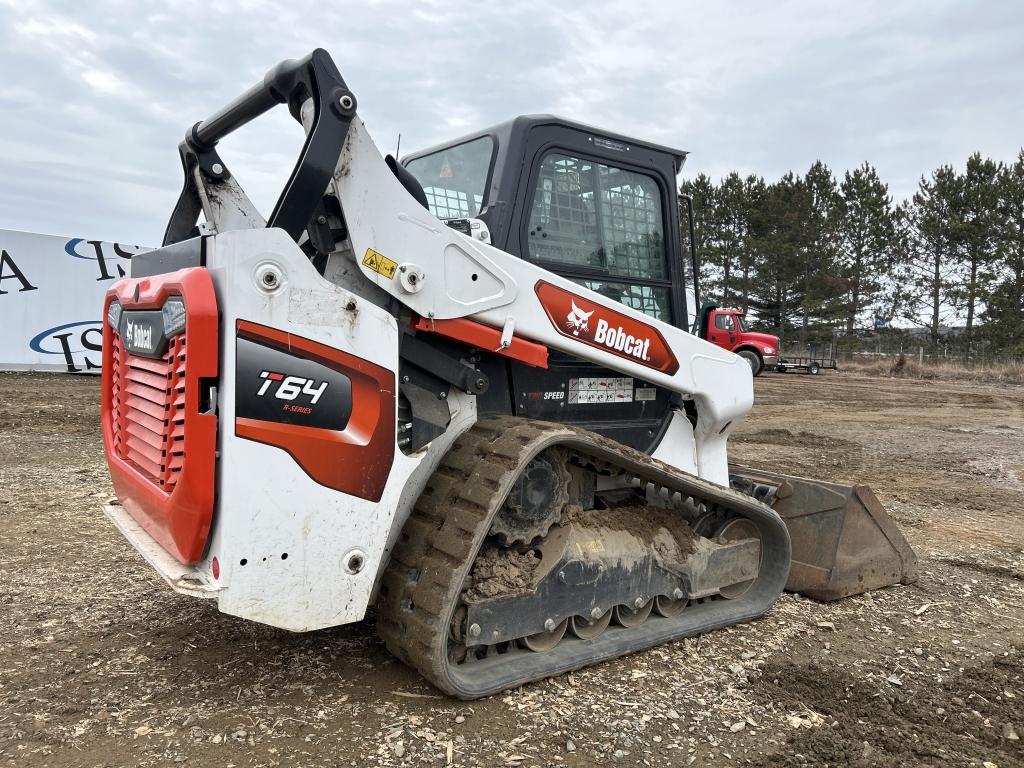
x=454, y=179
x=724, y=322
x=602, y=226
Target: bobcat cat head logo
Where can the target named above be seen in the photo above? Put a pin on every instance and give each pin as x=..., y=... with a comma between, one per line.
x=576, y=320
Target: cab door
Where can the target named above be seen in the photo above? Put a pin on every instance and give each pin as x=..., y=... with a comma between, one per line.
x=722, y=329
x=603, y=214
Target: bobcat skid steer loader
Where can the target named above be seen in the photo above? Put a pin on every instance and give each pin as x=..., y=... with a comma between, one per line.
x=459, y=390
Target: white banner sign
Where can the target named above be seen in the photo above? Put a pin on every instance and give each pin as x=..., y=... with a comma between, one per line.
x=51, y=299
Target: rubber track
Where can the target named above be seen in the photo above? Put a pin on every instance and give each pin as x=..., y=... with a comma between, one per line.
x=424, y=579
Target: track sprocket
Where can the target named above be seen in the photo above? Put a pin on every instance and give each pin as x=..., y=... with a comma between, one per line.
x=535, y=502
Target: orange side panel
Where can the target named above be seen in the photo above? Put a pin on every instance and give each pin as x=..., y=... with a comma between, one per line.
x=355, y=460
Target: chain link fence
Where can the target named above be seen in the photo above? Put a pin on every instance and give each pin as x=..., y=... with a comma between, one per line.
x=891, y=343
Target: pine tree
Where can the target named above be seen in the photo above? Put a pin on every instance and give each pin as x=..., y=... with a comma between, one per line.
x=702, y=192
x=1004, y=310
x=867, y=240
x=927, y=285
x=722, y=219
x=777, y=290
x=977, y=232
x=819, y=249
x=755, y=191
x=733, y=217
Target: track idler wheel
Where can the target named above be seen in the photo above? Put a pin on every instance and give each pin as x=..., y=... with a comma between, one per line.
x=737, y=529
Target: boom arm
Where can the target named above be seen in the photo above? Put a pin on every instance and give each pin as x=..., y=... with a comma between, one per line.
x=457, y=276
x=441, y=274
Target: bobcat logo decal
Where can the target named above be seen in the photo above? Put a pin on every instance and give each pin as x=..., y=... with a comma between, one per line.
x=612, y=331
x=576, y=320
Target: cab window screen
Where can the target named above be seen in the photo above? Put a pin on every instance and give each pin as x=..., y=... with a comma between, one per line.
x=603, y=221
x=455, y=178
x=651, y=300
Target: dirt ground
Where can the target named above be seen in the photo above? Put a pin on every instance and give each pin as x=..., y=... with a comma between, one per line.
x=102, y=665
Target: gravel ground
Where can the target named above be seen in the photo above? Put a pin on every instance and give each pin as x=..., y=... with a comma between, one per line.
x=100, y=664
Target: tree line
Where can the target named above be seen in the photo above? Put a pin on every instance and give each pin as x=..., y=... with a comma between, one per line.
x=812, y=256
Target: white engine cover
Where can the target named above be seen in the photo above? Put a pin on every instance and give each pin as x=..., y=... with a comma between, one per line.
x=286, y=544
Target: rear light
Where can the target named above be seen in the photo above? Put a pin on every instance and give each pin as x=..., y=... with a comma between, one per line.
x=114, y=315
x=173, y=316
x=215, y=567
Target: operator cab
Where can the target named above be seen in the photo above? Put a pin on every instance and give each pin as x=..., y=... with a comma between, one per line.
x=594, y=207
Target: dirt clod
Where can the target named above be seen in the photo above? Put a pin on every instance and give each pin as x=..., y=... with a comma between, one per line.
x=500, y=571
x=663, y=529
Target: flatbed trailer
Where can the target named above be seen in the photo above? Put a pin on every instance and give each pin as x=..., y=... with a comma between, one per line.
x=812, y=363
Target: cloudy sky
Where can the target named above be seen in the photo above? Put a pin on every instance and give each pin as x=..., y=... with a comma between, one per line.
x=95, y=95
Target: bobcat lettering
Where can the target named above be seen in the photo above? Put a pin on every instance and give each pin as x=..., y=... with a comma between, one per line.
x=618, y=339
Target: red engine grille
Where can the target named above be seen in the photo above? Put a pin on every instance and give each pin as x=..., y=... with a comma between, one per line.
x=148, y=402
x=160, y=437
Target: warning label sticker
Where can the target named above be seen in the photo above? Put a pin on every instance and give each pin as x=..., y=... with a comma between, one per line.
x=601, y=390
x=379, y=263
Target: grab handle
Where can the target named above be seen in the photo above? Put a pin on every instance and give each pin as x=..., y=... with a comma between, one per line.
x=291, y=82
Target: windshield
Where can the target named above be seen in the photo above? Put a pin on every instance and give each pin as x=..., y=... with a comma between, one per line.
x=740, y=323
x=455, y=178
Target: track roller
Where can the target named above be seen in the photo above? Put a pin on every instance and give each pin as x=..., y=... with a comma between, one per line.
x=633, y=616
x=670, y=607
x=587, y=629
x=545, y=641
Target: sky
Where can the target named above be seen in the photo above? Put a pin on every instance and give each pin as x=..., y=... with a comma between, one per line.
x=96, y=95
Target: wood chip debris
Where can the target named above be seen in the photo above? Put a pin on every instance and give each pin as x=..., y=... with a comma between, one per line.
x=807, y=718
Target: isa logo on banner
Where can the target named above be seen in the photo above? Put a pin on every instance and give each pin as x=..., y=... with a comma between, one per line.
x=49, y=285
x=78, y=344
x=112, y=259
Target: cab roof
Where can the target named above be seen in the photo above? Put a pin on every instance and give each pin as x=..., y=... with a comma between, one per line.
x=524, y=123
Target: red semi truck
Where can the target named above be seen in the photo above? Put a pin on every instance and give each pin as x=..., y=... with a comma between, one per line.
x=725, y=327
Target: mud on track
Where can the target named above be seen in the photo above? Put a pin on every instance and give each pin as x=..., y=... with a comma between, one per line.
x=100, y=664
